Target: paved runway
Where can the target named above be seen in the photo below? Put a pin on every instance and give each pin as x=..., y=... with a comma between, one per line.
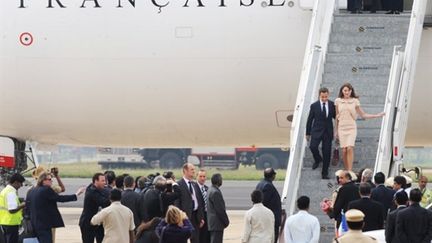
x=236, y=193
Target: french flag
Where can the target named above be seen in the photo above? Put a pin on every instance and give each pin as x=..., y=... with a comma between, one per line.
x=343, y=227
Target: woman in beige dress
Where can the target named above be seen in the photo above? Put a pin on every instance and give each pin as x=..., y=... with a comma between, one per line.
x=347, y=108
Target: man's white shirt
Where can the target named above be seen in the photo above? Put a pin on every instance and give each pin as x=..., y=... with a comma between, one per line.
x=302, y=227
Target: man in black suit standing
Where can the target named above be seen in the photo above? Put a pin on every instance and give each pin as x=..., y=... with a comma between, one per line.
x=373, y=211
x=319, y=129
x=354, y=6
x=347, y=193
x=216, y=214
x=132, y=200
x=401, y=200
x=271, y=197
x=201, y=179
x=381, y=193
x=414, y=224
x=96, y=196
x=191, y=200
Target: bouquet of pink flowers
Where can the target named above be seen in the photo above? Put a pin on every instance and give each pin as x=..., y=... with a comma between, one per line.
x=326, y=205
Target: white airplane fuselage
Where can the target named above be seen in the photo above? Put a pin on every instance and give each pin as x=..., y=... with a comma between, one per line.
x=220, y=74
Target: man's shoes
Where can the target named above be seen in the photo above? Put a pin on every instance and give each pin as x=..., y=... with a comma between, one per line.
x=396, y=12
x=325, y=177
x=390, y=12
x=315, y=165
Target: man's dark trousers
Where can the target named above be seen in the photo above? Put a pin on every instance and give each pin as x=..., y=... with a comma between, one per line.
x=10, y=233
x=88, y=234
x=326, y=140
x=354, y=5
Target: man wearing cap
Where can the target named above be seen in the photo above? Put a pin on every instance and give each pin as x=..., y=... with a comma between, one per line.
x=355, y=223
x=271, y=197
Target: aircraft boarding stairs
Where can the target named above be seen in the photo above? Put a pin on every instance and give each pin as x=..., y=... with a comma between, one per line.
x=360, y=52
x=359, y=49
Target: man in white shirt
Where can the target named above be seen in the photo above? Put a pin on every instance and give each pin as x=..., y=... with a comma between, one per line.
x=118, y=220
x=302, y=227
x=259, y=222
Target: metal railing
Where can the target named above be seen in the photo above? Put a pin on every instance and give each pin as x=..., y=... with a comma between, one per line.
x=407, y=77
x=385, y=145
x=311, y=77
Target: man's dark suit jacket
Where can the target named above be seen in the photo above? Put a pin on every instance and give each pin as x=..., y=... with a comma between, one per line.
x=134, y=202
x=156, y=202
x=383, y=195
x=185, y=202
x=390, y=229
x=44, y=213
x=414, y=225
x=93, y=199
x=216, y=211
x=347, y=193
x=373, y=211
x=317, y=124
x=271, y=199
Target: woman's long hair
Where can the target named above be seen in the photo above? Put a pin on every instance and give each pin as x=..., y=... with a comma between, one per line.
x=174, y=215
x=350, y=87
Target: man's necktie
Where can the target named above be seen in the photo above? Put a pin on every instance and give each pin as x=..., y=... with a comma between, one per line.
x=191, y=192
x=324, y=110
x=204, y=193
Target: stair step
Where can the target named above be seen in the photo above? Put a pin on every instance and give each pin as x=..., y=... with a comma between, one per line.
x=366, y=40
x=334, y=79
x=372, y=19
x=356, y=49
x=373, y=29
x=358, y=59
x=372, y=69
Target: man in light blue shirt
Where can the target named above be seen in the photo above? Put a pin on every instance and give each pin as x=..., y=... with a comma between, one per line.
x=302, y=227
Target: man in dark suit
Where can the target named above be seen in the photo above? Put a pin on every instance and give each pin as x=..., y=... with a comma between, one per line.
x=347, y=193
x=319, y=129
x=96, y=196
x=373, y=211
x=216, y=214
x=271, y=198
x=401, y=200
x=190, y=199
x=201, y=179
x=44, y=214
x=414, y=224
x=372, y=5
x=132, y=200
x=394, y=6
x=354, y=6
x=381, y=193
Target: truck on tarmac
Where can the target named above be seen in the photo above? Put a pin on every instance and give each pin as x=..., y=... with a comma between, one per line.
x=169, y=158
